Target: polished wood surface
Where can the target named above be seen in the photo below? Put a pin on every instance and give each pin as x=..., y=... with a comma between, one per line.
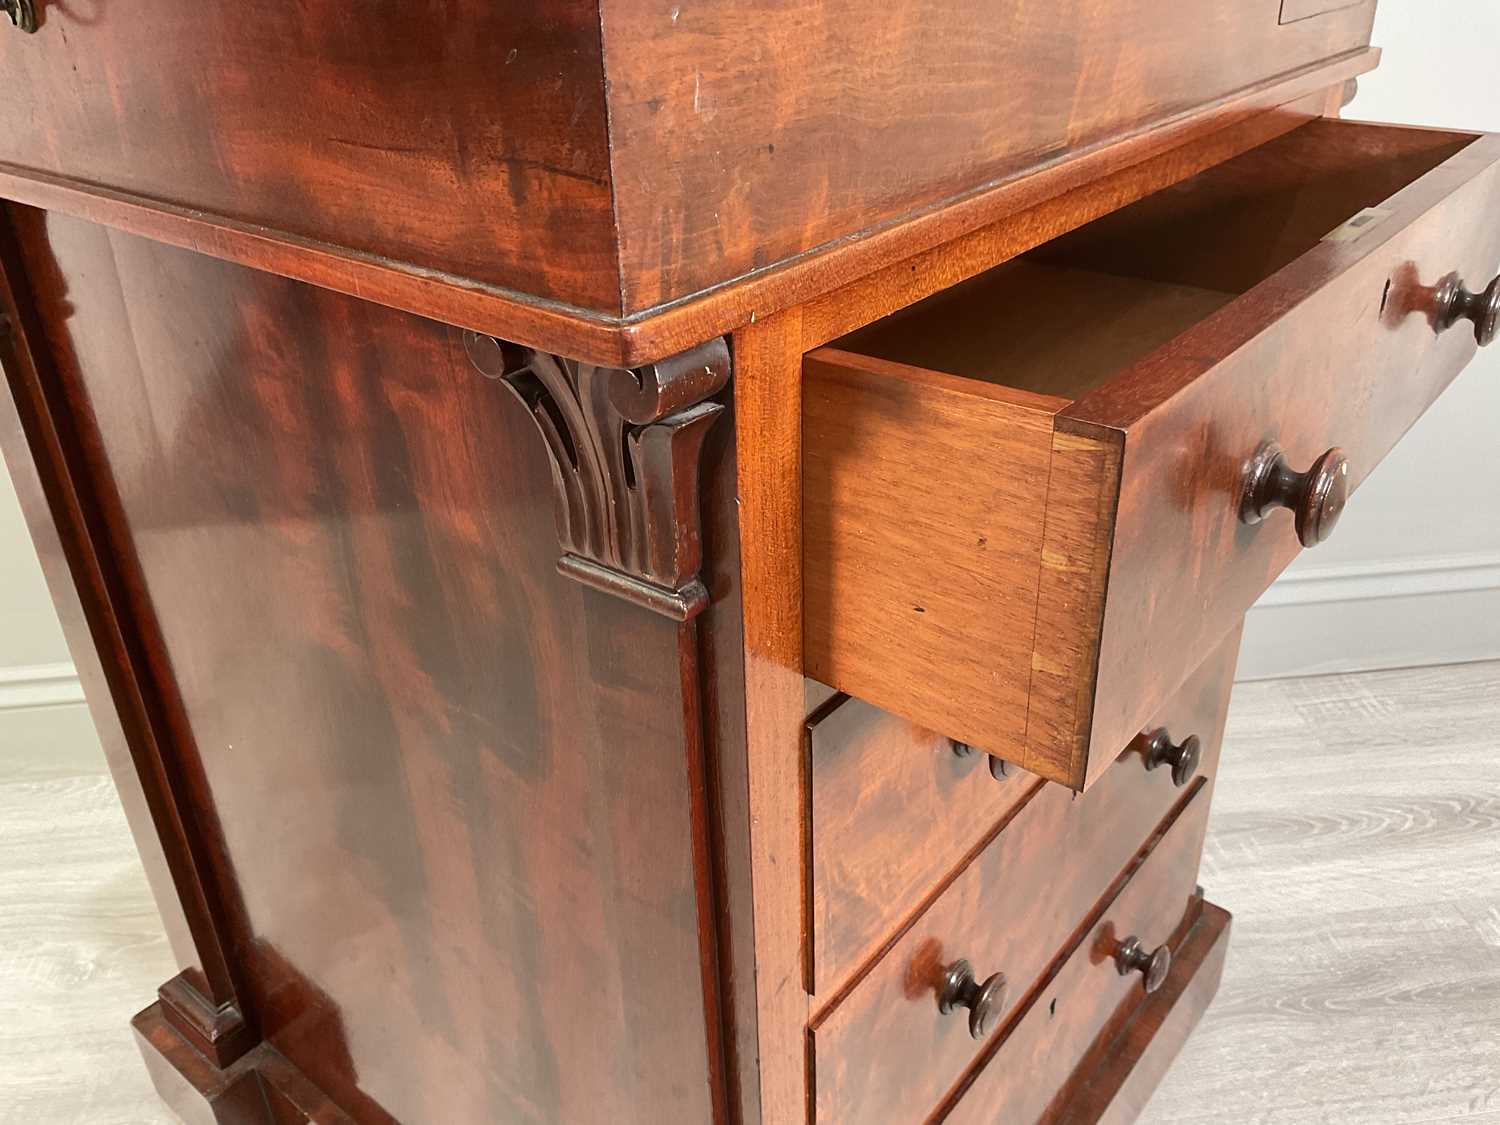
x=1340, y=350
x=923, y=502
x=894, y=810
x=474, y=143
x=1080, y=995
x=581, y=153
x=833, y=153
x=1083, y=995
x=463, y=562
x=1093, y=176
x=1145, y=464
x=338, y=546
x=771, y=778
x=1378, y=878
x=1009, y=910
x=887, y=1047
x=1118, y=1076
x=943, y=248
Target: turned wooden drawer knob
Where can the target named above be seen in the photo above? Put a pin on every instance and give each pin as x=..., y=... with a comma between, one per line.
x=1455, y=303
x=1153, y=964
x=985, y=1001
x=1000, y=769
x=22, y=13
x=1316, y=497
x=1183, y=757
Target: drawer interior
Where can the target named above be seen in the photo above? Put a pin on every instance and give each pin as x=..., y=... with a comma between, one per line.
x=1061, y=320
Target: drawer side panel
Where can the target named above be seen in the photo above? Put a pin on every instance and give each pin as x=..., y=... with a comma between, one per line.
x=923, y=501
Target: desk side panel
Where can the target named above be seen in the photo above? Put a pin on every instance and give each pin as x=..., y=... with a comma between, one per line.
x=455, y=800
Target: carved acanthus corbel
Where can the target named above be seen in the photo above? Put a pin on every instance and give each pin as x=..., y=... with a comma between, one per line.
x=625, y=447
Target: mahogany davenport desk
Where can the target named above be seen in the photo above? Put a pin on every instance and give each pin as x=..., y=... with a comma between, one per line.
x=675, y=562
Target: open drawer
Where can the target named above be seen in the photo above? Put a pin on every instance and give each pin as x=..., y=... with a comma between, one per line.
x=1034, y=502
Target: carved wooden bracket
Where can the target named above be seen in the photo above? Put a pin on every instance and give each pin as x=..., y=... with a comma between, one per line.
x=625, y=447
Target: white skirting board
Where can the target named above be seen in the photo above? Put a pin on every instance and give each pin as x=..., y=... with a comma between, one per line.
x=39, y=685
x=1397, y=614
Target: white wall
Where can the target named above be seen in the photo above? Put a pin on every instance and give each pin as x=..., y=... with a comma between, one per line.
x=34, y=667
x=1412, y=576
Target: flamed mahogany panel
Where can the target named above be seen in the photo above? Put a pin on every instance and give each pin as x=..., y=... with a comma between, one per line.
x=468, y=138
x=613, y=155
x=893, y=810
x=924, y=251
x=455, y=796
x=1036, y=1054
x=1336, y=348
x=1080, y=998
x=883, y=1047
x=741, y=140
x=1115, y=1080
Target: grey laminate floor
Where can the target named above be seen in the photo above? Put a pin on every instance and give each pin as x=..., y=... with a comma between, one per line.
x=1356, y=838
x=81, y=947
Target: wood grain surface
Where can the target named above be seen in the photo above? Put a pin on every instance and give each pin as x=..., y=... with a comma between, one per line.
x=893, y=811
x=1129, y=1059
x=923, y=501
x=772, y=823
x=398, y=729
x=1229, y=310
x=740, y=141
x=885, y=1047
x=986, y=225
x=608, y=155
x=1079, y=997
x=1336, y=348
x=474, y=144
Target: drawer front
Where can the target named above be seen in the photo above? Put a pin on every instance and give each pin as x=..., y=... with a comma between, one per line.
x=1128, y=1061
x=1073, y=1005
x=1023, y=497
x=1338, y=349
x=894, y=809
x=885, y=1050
